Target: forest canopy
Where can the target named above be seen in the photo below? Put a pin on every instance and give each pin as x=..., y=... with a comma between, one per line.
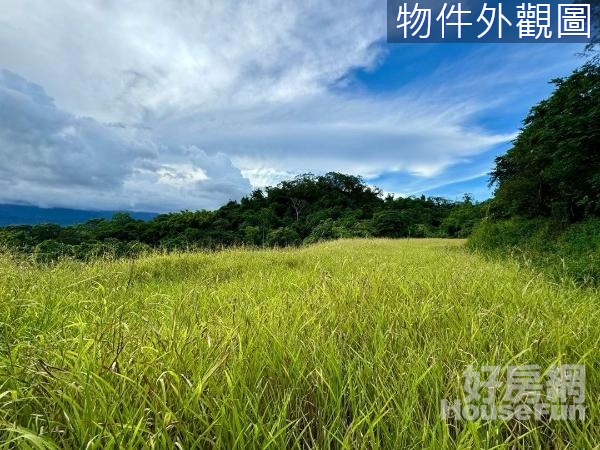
x=553, y=168
x=546, y=206
x=305, y=209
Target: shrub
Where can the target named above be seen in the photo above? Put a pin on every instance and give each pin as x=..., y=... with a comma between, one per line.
x=282, y=237
x=561, y=249
x=389, y=223
x=51, y=251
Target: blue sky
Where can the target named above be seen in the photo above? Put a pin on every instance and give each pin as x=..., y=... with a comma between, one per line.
x=155, y=105
x=532, y=67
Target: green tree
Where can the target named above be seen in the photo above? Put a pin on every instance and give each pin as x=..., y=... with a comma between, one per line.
x=51, y=250
x=389, y=223
x=553, y=168
x=282, y=237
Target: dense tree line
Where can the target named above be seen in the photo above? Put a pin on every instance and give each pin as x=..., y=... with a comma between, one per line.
x=305, y=209
x=553, y=168
x=546, y=206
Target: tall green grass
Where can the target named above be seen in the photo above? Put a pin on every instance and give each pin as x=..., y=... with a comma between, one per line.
x=346, y=344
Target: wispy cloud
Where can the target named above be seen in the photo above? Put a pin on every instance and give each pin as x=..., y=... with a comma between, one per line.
x=169, y=104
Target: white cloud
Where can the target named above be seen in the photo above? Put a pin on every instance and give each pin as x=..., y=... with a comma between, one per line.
x=180, y=174
x=143, y=59
x=332, y=133
x=53, y=158
x=201, y=96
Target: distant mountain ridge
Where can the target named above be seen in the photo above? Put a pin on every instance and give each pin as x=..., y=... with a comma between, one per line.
x=31, y=215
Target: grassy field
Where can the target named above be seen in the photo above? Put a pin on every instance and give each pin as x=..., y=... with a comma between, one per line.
x=347, y=344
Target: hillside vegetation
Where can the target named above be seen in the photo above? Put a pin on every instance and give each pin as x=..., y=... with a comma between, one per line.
x=568, y=251
x=345, y=344
x=306, y=209
x=546, y=206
